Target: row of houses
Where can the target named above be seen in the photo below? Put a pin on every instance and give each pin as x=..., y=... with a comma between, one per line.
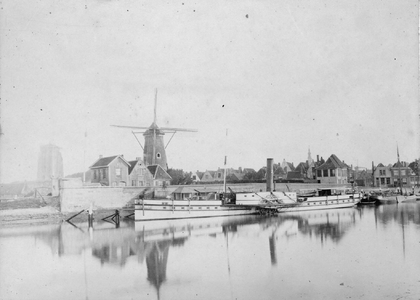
x=406, y=174
x=117, y=171
x=331, y=171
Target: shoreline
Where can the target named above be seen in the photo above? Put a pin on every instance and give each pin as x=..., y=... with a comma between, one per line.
x=28, y=216
x=47, y=215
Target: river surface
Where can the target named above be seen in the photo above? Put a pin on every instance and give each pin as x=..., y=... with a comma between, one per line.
x=358, y=253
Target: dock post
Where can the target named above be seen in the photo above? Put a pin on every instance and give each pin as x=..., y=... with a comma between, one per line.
x=116, y=216
x=90, y=215
x=90, y=219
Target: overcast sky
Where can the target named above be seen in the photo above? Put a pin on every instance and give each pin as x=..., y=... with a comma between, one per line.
x=338, y=77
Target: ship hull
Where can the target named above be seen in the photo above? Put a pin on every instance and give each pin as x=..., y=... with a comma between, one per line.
x=161, y=209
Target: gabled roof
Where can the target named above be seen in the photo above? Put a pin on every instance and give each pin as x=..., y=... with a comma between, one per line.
x=332, y=163
x=199, y=174
x=398, y=165
x=413, y=167
x=290, y=165
x=279, y=171
x=105, y=161
x=301, y=167
x=380, y=165
x=158, y=172
x=133, y=164
x=210, y=172
x=238, y=175
x=247, y=170
x=185, y=190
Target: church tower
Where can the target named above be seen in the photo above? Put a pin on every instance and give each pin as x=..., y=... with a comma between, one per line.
x=310, y=160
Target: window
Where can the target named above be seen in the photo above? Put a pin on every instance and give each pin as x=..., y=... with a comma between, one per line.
x=158, y=155
x=382, y=180
x=388, y=180
x=319, y=173
x=141, y=183
x=325, y=173
x=133, y=183
x=396, y=172
x=104, y=173
x=118, y=172
x=332, y=173
x=339, y=172
x=402, y=172
x=94, y=174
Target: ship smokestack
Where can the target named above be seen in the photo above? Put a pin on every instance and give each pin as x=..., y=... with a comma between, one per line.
x=269, y=175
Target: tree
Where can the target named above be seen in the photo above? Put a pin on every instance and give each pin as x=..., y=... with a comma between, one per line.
x=177, y=176
x=261, y=174
x=180, y=177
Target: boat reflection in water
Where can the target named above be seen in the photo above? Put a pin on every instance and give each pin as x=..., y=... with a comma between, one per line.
x=403, y=213
x=325, y=224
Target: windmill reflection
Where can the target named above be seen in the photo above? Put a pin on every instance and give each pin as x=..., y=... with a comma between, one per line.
x=156, y=263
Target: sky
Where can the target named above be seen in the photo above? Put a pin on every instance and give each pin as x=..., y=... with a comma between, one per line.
x=280, y=77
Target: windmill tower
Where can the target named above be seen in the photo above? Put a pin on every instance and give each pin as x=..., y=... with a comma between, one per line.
x=154, y=150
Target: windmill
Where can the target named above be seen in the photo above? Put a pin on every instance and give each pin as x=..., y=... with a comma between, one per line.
x=154, y=148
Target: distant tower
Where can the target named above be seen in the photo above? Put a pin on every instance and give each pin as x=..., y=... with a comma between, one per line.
x=50, y=163
x=311, y=165
x=310, y=160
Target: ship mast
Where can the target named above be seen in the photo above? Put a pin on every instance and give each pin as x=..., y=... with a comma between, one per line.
x=154, y=129
x=225, y=171
x=399, y=171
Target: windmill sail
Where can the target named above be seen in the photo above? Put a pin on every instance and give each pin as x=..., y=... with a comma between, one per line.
x=154, y=149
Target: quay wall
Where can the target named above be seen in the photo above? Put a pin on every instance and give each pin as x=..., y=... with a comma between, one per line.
x=78, y=198
x=74, y=198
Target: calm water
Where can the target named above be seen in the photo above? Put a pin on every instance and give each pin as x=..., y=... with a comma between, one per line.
x=362, y=253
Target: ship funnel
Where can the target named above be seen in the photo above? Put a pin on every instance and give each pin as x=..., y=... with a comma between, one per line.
x=269, y=176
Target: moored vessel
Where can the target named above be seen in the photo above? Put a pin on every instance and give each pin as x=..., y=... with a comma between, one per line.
x=215, y=205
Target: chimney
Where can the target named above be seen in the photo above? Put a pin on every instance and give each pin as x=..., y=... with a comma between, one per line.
x=269, y=175
x=317, y=158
